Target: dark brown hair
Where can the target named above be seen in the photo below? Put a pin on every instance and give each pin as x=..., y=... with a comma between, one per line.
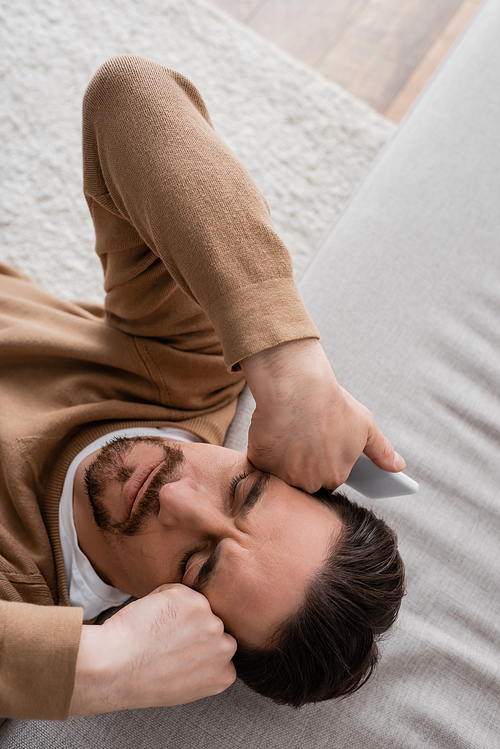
x=328, y=648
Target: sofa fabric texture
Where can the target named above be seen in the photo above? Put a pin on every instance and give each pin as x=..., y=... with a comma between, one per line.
x=405, y=293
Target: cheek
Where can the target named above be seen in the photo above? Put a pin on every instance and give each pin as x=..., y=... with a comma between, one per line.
x=233, y=592
x=143, y=567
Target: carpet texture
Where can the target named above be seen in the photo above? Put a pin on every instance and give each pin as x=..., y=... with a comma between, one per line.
x=306, y=142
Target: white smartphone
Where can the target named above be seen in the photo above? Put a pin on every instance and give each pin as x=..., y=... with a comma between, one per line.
x=370, y=480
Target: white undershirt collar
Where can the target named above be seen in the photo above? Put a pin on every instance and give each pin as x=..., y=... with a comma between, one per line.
x=85, y=587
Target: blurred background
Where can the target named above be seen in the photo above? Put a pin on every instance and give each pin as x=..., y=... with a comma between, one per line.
x=383, y=51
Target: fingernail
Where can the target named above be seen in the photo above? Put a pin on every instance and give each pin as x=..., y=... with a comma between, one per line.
x=399, y=462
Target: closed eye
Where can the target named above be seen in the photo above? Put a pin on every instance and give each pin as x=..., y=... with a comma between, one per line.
x=232, y=491
x=234, y=483
x=255, y=493
x=185, y=559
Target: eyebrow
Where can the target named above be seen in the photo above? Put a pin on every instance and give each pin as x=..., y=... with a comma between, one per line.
x=208, y=568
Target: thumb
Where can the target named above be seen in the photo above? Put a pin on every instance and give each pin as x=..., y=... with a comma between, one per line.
x=381, y=452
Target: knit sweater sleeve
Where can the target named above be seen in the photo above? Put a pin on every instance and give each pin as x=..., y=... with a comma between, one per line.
x=38, y=651
x=158, y=178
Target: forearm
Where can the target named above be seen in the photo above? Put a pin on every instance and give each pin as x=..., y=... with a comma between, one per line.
x=174, y=186
x=97, y=689
x=39, y=646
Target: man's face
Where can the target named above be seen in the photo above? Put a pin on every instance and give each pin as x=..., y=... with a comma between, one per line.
x=163, y=511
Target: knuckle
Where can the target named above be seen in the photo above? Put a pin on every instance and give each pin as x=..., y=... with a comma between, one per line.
x=216, y=627
x=231, y=675
x=313, y=487
x=232, y=646
x=180, y=596
x=228, y=677
x=388, y=449
x=198, y=602
x=341, y=479
x=174, y=590
x=310, y=482
x=201, y=602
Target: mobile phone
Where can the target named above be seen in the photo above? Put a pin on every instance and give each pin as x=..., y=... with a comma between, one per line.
x=370, y=480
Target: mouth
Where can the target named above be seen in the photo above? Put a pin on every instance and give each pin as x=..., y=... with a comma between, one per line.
x=138, y=484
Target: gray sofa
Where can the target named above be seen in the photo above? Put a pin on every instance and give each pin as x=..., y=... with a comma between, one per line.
x=406, y=293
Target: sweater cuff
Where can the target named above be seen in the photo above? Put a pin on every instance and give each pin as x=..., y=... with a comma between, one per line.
x=38, y=652
x=262, y=315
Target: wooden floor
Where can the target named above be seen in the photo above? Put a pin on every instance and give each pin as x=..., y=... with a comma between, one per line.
x=383, y=51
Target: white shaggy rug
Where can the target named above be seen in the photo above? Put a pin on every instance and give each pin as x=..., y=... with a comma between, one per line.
x=306, y=142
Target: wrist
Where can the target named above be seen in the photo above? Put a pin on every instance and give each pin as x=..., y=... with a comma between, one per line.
x=300, y=362
x=93, y=680
x=274, y=359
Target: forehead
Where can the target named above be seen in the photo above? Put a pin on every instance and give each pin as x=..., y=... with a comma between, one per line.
x=260, y=584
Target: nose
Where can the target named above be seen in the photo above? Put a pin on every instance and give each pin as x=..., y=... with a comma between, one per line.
x=187, y=506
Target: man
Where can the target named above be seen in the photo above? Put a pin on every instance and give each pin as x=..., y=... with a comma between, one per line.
x=98, y=505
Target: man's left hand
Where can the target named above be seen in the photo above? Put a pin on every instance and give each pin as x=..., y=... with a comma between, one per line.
x=306, y=429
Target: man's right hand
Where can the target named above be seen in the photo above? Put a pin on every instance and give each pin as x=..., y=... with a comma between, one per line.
x=165, y=649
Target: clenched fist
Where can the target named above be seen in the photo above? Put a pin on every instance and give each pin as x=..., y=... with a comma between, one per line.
x=165, y=649
x=306, y=429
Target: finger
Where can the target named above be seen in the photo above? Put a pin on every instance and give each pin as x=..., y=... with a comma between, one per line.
x=230, y=675
x=230, y=643
x=381, y=452
x=226, y=678
x=178, y=589
x=161, y=588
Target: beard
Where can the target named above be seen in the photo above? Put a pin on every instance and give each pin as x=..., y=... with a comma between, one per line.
x=109, y=466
